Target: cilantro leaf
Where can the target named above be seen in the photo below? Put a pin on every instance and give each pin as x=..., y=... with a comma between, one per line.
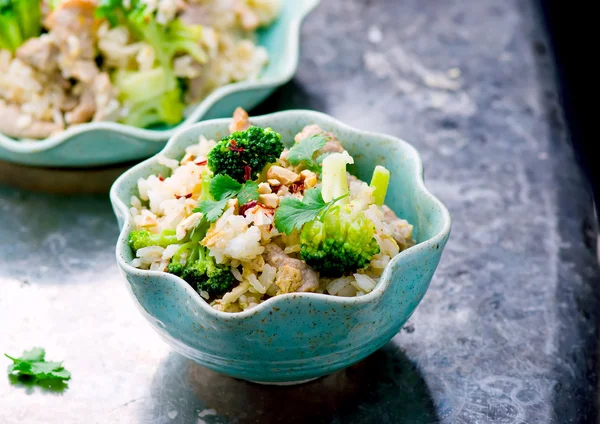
x=248, y=193
x=211, y=209
x=32, y=364
x=223, y=186
x=35, y=354
x=293, y=213
x=303, y=151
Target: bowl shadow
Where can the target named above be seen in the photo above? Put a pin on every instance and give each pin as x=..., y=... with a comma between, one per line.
x=386, y=387
x=291, y=95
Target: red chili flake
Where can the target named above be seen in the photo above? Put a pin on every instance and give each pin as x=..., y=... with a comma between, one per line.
x=296, y=187
x=160, y=177
x=201, y=163
x=247, y=172
x=187, y=196
x=247, y=206
x=234, y=147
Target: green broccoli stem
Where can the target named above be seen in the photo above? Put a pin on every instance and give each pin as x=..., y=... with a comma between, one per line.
x=193, y=245
x=139, y=239
x=142, y=115
x=29, y=13
x=379, y=182
x=4, y=44
x=140, y=86
x=153, y=33
x=205, y=193
x=185, y=38
x=168, y=41
x=167, y=108
x=11, y=33
x=162, y=239
x=335, y=180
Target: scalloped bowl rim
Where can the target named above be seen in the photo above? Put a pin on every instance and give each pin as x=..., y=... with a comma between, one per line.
x=385, y=278
x=292, y=49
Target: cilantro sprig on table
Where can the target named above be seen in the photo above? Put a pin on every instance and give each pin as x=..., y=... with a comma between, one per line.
x=303, y=151
x=294, y=213
x=223, y=188
x=32, y=365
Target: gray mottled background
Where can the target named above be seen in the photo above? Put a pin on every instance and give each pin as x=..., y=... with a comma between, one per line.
x=508, y=330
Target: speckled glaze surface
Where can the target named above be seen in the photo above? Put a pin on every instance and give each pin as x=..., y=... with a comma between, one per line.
x=294, y=337
x=105, y=143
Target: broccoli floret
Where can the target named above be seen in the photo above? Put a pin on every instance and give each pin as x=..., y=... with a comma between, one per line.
x=153, y=96
x=342, y=240
x=175, y=268
x=19, y=20
x=193, y=263
x=148, y=98
x=207, y=276
x=139, y=239
x=244, y=154
x=166, y=40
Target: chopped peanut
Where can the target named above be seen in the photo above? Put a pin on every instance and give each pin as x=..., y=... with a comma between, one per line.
x=282, y=174
x=264, y=188
x=309, y=177
x=283, y=190
x=271, y=200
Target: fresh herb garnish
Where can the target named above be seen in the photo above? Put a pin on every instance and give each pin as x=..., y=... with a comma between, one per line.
x=223, y=188
x=211, y=209
x=248, y=192
x=303, y=151
x=32, y=365
x=109, y=10
x=294, y=213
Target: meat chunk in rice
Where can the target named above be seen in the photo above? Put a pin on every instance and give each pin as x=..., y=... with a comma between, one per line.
x=73, y=27
x=289, y=279
x=401, y=229
x=39, y=53
x=275, y=256
x=240, y=121
x=85, y=110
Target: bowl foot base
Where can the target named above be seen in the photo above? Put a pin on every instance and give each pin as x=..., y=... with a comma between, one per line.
x=283, y=383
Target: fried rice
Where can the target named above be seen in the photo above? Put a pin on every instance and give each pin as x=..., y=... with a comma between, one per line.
x=264, y=261
x=66, y=75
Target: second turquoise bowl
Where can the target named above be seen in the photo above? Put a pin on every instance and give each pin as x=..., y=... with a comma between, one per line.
x=297, y=336
x=107, y=143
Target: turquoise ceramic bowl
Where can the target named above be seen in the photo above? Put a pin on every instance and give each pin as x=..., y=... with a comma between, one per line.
x=300, y=336
x=106, y=143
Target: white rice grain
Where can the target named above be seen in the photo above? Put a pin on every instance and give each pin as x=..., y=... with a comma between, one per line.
x=364, y=283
